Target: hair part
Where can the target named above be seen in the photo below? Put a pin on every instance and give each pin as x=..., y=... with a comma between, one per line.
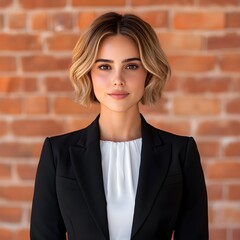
x=110, y=24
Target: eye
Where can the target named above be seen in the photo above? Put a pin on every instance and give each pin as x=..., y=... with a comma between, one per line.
x=132, y=66
x=104, y=67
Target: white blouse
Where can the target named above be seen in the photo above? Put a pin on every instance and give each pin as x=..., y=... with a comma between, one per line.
x=120, y=165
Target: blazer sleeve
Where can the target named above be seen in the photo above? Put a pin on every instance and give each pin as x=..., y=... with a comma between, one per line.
x=46, y=219
x=193, y=217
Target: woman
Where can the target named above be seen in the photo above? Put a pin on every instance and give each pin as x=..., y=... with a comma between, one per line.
x=119, y=178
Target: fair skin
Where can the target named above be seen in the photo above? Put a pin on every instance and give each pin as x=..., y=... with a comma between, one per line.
x=118, y=78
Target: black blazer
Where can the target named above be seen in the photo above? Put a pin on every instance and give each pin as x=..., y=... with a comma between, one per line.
x=69, y=194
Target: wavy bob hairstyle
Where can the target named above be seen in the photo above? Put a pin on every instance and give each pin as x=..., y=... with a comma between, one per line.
x=109, y=24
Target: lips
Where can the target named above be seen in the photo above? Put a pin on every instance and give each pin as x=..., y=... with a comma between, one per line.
x=118, y=94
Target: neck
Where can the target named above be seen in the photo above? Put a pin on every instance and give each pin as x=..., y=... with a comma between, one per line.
x=120, y=126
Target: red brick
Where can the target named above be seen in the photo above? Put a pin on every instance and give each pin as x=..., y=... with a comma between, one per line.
x=209, y=148
x=65, y=105
x=228, y=41
x=42, y=3
x=1, y=21
x=13, y=84
x=5, y=3
x=218, y=234
x=157, y=19
x=10, y=214
x=173, y=84
x=10, y=105
x=228, y=215
x=61, y=21
x=62, y=42
x=165, y=2
x=58, y=84
x=210, y=214
x=205, y=85
x=218, y=2
x=21, y=150
x=5, y=171
x=84, y=19
x=192, y=105
x=76, y=3
x=17, y=20
x=26, y=171
x=10, y=84
x=159, y=107
x=236, y=234
x=29, y=212
x=235, y=85
x=199, y=20
x=22, y=234
x=6, y=234
x=36, y=105
x=234, y=192
x=215, y=192
x=7, y=64
x=39, y=21
x=3, y=128
x=233, y=106
x=219, y=127
x=19, y=42
x=75, y=124
x=186, y=63
x=230, y=62
x=16, y=193
x=233, y=20
x=42, y=63
x=232, y=149
x=29, y=85
x=179, y=127
x=30, y=128
x=180, y=41
x=223, y=170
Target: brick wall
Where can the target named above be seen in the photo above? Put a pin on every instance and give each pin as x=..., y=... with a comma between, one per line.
x=202, y=41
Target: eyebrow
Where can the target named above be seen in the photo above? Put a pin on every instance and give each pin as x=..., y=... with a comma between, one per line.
x=124, y=61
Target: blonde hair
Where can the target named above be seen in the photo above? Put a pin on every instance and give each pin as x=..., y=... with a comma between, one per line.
x=151, y=55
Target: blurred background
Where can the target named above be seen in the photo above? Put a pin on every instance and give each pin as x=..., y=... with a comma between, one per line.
x=202, y=41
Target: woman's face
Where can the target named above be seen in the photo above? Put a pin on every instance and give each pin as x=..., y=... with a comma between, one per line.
x=118, y=75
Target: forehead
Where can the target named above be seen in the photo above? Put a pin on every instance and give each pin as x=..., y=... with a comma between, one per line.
x=118, y=45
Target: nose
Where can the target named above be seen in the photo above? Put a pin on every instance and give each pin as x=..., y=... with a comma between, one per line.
x=118, y=79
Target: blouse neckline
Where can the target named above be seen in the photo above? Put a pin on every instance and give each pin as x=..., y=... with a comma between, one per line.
x=128, y=141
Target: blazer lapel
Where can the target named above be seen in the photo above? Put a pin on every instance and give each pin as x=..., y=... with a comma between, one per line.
x=86, y=160
x=155, y=161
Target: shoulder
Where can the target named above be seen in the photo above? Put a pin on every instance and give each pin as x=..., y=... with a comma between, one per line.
x=67, y=139
x=169, y=137
x=163, y=137
x=79, y=137
x=177, y=141
x=184, y=147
